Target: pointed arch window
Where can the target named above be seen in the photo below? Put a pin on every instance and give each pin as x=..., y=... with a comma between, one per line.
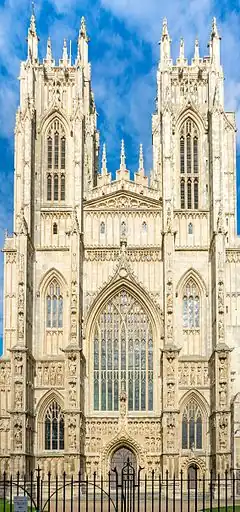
x=56, y=162
x=192, y=427
x=54, y=306
x=54, y=427
x=191, y=306
x=123, y=355
x=189, y=165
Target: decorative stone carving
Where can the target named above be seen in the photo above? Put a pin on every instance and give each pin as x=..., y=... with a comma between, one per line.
x=170, y=394
x=18, y=363
x=222, y=395
x=193, y=374
x=72, y=394
x=72, y=364
x=221, y=297
x=170, y=358
x=169, y=295
x=72, y=434
x=5, y=373
x=18, y=435
x=50, y=374
x=223, y=366
x=171, y=432
x=18, y=398
x=123, y=404
x=223, y=432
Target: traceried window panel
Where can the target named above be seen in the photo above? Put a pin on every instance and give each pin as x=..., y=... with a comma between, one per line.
x=54, y=427
x=123, y=355
x=191, y=306
x=54, y=306
x=189, y=165
x=56, y=162
x=192, y=427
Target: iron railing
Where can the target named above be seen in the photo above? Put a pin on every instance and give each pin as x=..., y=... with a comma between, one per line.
x=124, y=491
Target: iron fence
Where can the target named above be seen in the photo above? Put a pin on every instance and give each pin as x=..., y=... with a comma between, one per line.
x=125, y=491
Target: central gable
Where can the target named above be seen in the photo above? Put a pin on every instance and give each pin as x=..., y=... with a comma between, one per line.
x=122, y=201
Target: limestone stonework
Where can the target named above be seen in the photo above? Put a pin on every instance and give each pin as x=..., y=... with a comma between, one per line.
x=122, y=297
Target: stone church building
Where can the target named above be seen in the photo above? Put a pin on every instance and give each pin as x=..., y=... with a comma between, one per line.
x=122, y=297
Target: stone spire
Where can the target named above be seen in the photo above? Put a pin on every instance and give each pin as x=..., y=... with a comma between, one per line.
x=82, y=51
x=122, y=156
x=139, y=176
x=196, y=52
x=49, y=58
x=104, y=178
x=32, y=38
x=181, y=59
x=104, y=160
x=215, y=44
x=64, y=61
x=165, y=53
x=141, y=162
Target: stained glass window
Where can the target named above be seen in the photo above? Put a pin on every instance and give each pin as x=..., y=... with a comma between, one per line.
x=192, y=426
x=54, y=306
x=56, y=162
x=123, y=355
x=189, y=165
x=54, y=427
x=191, y=306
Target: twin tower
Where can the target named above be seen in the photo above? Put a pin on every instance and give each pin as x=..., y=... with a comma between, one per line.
x=121, y=297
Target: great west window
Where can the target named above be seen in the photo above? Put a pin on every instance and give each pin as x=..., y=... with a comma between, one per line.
x=123, y=355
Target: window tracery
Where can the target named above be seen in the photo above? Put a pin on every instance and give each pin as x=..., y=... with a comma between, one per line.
x=192, y=427
x=56, y=162
x=54, y=305
x=189, y=165
x=191, y=306
x=123, y=355
x=54, y=427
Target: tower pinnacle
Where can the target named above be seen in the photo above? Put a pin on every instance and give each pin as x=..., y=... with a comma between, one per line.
x=104, y=160
x=32, y=38
x=215, y=44
x=49, y=58
x=83, y=39
x=196, y=52
x=141, y=161
x=122, y=156
x=165, y=53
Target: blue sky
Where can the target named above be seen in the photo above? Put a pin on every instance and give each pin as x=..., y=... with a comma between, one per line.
x=124, y=52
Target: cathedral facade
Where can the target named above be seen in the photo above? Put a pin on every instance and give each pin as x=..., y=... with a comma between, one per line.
x=122, y=297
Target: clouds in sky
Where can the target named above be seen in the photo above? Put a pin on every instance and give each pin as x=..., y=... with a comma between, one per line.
x=124, y=52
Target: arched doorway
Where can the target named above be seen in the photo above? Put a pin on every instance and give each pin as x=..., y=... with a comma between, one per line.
x=192, y=476
x=119, y=459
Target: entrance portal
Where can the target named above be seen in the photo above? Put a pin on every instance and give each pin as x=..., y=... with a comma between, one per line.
x=192, y=476
x=119, y=459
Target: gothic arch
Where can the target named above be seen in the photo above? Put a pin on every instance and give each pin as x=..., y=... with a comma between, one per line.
x=51, y=274
x=44, y=402
x=50, y=116
x=197, y=397
x=199, y=462
x=119, y=441
x=192, y=113
x=133, y=289
x=196, y=276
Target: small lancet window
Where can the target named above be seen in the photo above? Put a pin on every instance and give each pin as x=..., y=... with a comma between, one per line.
x=102, y=228
x=54, y=427
x=191, y=306
x=56, y=162
x=189, y=165
x=190, y=228
x=192, y=427
x=55, y=228
x=54, y=304
x=144, y=227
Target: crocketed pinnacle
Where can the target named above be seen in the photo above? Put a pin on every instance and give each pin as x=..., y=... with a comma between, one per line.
x=123, y=156
x=104, y=160
x=141, y=161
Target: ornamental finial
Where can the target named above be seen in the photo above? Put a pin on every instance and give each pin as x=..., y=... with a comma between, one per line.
x=123, y=156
